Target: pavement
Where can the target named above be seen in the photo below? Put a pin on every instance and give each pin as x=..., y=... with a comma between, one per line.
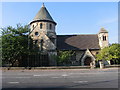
x=63, y=78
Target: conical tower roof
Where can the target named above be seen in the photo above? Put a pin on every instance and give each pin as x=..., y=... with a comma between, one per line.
x=43, y=15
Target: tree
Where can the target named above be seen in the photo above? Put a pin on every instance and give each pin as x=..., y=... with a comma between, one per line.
x=14, y=44
x=63, y=57
x=114, y=51
x=109, y=53
x=104, y=54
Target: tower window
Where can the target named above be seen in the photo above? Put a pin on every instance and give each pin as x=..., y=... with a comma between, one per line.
x=36, y=33
x=41, y=25
x=104, y=38
x=33, y=26
x=36, y=41
x=41, y=44
x=50, y=26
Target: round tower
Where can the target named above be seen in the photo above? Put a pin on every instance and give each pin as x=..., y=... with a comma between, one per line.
x=43, y=26
x=43, y=34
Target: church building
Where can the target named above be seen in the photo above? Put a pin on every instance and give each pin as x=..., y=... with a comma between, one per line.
x=85, y=46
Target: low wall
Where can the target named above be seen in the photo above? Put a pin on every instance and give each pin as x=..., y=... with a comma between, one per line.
x=55, y=67
x=112, y=66
x=41, y=68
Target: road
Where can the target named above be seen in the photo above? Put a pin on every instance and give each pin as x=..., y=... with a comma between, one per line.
x=73, y=78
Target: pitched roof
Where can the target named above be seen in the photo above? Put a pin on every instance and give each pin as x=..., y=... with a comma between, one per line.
x=77, y=42
x=103, y=30
x=43, y=14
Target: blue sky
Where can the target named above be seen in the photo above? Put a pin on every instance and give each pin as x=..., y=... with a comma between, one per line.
x=71, y=17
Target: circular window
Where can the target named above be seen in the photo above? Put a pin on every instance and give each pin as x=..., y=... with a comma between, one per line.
x=36, y=33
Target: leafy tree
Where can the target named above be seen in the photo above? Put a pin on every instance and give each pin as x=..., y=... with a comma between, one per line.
x=104, y=54
x=114, y=51
x=109, y=53
x=14, y=44
x=63, y=57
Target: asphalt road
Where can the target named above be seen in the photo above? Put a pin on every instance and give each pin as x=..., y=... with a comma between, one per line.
x=73, y=78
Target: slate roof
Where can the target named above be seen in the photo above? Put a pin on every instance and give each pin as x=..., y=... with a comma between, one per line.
x=77, y=42
x=43, y=14
x=102, y=30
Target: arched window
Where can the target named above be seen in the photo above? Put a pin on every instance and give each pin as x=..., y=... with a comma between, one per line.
x=36, y=41
x=50, y=26
x=41, y=25
x=41, y=44
x=33, y=26
x=104, y=38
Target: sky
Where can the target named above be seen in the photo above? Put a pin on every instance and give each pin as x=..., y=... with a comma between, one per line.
x=71, y=17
